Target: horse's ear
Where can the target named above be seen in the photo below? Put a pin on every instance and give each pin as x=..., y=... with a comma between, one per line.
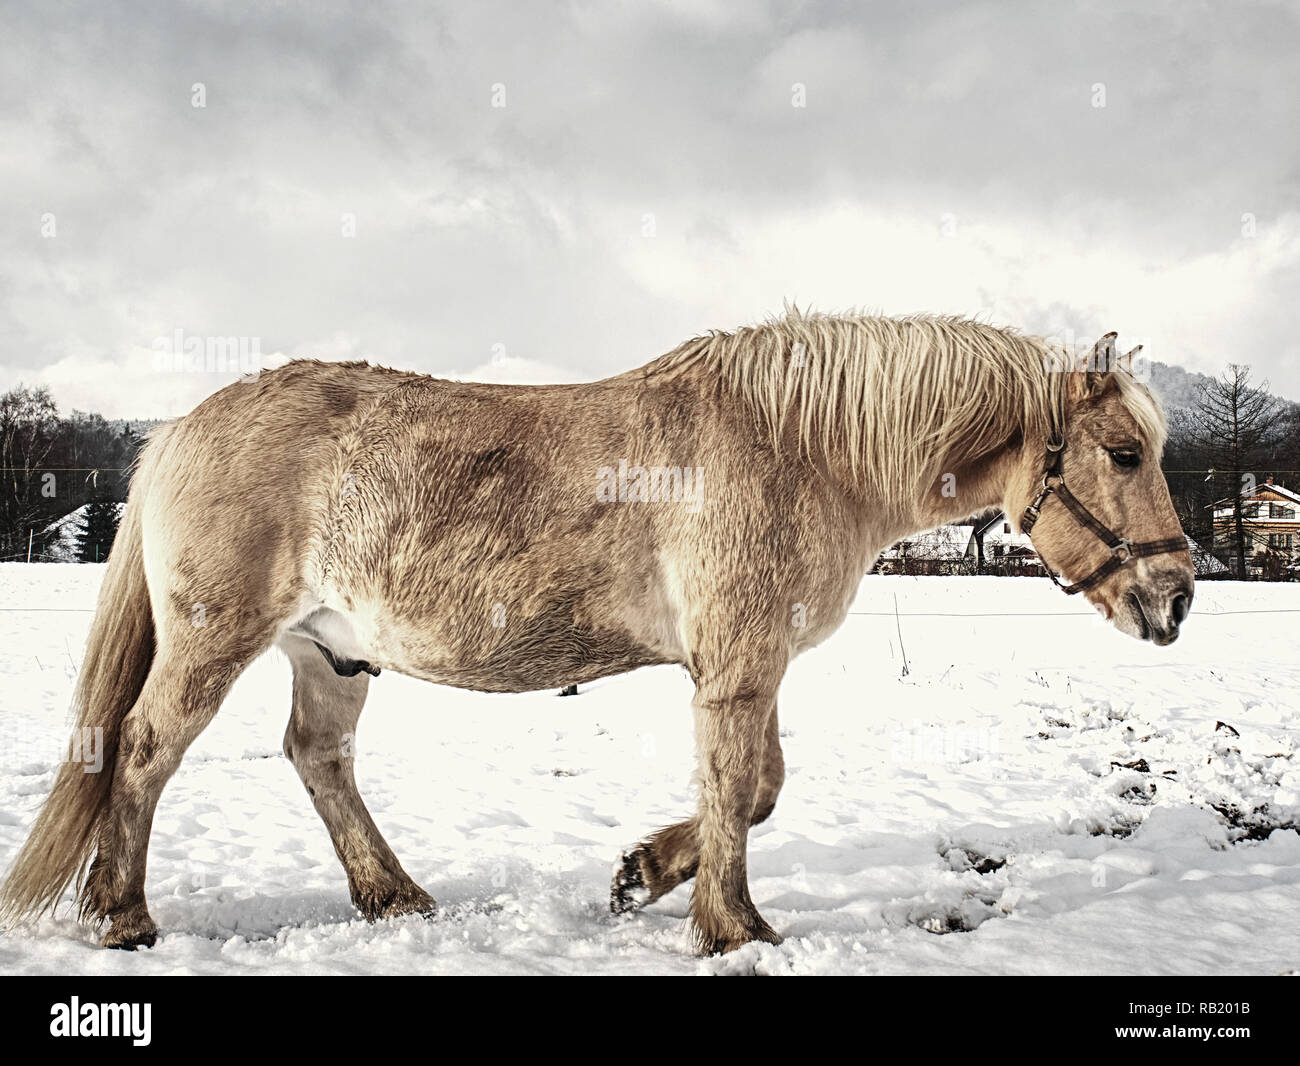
x=1103, y=354
x=1125, y=361
x=1101, y=364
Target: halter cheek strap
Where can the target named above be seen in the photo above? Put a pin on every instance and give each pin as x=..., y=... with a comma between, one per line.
x=1121, y=549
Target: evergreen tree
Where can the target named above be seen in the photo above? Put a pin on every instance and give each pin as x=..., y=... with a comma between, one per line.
x=94, y=542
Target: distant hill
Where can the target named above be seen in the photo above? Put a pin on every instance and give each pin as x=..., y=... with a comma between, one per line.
x=1179, y=389
x=138, y=426
x=1176, y=387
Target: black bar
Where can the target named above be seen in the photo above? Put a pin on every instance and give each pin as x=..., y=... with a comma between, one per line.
x=962, y=1015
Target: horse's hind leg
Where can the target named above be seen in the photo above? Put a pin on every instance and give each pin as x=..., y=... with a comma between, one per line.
x=320, y=743
x=184, y=690
x=772, y=776
x=655, y=867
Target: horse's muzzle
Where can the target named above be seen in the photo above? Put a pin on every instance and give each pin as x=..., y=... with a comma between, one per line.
x=1157, y=616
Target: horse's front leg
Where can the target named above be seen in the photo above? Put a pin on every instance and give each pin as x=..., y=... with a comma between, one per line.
x=671, y=856
x=731, y=719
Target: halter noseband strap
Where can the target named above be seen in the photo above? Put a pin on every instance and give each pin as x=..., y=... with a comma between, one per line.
x=1121, y=550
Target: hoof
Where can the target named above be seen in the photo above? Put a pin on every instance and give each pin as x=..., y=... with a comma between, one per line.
x=129, y=939
x=412, y=901
x=628, y=892
x=751, y=929
x=395, y=902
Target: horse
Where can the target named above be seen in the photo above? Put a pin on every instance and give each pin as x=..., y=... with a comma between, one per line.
x=715, y=508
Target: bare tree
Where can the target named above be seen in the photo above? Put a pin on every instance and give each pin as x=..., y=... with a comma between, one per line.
x=29, y=422
x=1235, y=422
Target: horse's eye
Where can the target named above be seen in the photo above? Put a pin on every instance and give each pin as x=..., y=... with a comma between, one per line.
x=1124, y=458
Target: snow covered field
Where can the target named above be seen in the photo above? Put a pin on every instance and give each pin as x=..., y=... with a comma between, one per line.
x=1037, y=794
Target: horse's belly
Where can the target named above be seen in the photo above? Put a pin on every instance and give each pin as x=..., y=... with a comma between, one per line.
x=551, y=645
x=536, y=658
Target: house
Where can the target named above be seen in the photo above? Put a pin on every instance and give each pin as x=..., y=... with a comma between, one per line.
x=956, y=550
x=1005, y=552
x=938, y=551
x=1270, y=519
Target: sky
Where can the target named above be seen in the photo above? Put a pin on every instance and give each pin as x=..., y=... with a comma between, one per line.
x=560, y=191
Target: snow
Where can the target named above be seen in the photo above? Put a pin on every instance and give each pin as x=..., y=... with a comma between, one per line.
x=1037, y=794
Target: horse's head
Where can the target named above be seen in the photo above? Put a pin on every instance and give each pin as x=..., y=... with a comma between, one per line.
x=1131, y=559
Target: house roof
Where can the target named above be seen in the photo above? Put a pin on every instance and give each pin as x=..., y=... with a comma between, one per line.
x=1269, y=486
x=998, y=535
x=1203, y=561
x=63, y=548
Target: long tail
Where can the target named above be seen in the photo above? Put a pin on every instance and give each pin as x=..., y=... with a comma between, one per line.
x=118, y=656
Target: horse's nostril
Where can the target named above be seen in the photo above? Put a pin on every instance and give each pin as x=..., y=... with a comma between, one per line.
x=1179, y=608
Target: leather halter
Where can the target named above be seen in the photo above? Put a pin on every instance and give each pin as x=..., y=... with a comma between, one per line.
x=1121, y=549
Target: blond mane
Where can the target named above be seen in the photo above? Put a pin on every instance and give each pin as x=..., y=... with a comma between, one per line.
x=898, y=400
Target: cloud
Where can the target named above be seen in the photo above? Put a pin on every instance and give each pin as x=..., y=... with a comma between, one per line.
x=349, y=190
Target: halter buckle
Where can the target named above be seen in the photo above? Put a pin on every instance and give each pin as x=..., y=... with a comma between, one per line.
x=1122, y=550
